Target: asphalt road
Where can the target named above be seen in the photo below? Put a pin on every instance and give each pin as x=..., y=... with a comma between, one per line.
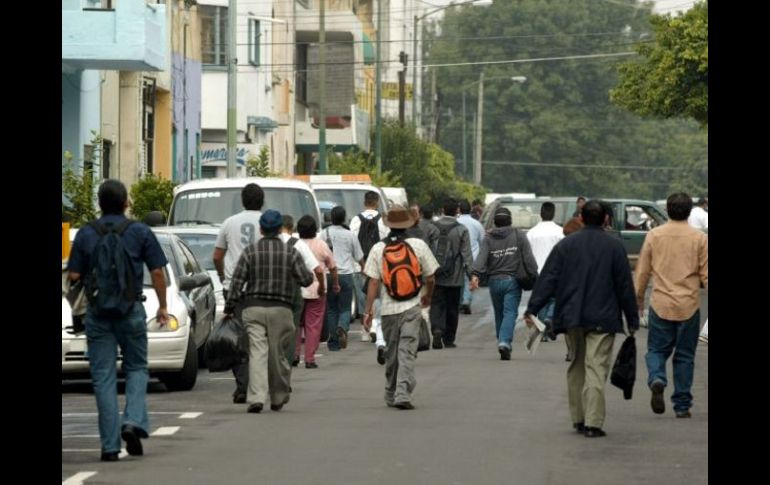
x=478, y=420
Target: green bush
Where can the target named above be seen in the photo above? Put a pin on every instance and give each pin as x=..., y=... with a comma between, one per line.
x=151, y=193
x=78, y=190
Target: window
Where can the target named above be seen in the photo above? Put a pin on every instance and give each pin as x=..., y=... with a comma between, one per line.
x=301, y=93
x=188, y=261
x=106, y=155
x=213, y=34
x=254, y=34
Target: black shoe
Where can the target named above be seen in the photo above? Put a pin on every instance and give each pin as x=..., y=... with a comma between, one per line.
x=403, y=405
x=130, y=435
x=549, y=331
x=437, y=341
x=311, y=365
x=255, y=408
x=567, y=358
x=657, y=403
x=591, y=432
x=466, y=309
x=450, y=345
x=683, y=414
x=579, y=427
x=373, y=336
x=112, y=456
x=342, y=337
x=505, y=353
x=381, y=355
x=239, y=398
x=295, y=362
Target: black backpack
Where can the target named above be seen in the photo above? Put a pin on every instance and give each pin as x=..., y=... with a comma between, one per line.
x=368, y=233
x=444, y=251
x=111, y=284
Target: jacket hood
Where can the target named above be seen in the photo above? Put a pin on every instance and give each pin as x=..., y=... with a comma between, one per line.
x=501, y=232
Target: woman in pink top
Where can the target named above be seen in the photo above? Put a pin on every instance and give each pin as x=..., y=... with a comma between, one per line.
x=315, y=302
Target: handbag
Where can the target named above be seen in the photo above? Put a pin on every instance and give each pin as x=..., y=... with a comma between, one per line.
x=524, y=278
x=424, y=341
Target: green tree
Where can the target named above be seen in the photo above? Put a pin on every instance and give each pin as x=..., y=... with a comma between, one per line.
x=259, y=166
x=78, y=206
x=357, y=162
x=151, y=193
x=672, y=79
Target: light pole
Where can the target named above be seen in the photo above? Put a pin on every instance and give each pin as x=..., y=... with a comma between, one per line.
x=479, y=121
x=231, y=88
x=414, y=48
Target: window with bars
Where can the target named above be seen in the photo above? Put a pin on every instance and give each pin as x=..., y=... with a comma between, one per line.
x=213, y=35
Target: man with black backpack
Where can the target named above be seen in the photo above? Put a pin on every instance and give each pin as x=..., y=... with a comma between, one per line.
x=401, y=264
x=109, y=255
x=369, y=228
x=452, y=250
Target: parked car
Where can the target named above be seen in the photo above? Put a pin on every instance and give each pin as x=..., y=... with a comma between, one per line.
x=211, y=201
x=173, y=351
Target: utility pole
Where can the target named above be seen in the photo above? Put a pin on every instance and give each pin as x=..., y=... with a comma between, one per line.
x=232, y=65
x=322, y=168
x=404, y=58
x=378, y=107
x=480, y=121
x=433, y=106
x=414, y=73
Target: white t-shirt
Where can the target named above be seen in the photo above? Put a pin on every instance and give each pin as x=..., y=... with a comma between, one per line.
x=373, y=269
x=543, y=237
x=699, y=218
x=311, y=263
x=237, y=232
x=355, y=223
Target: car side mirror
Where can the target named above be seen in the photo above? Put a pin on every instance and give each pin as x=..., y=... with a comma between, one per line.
x=187, y=283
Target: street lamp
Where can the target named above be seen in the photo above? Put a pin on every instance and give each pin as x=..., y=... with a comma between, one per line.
x=518, y=79
x=414, y=48
x=480, y=122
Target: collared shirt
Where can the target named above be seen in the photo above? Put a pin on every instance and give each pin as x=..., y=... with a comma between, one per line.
x=346, y=248
x=267, y=270
x=699, y=218
x=355, y=223
x=237, y=232
x=138, y=239
x=373, y=269
x=676, y=255
x=543, y=237
x=475, y=231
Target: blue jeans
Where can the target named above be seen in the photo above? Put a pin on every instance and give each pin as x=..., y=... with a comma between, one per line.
x=338, y=307
x=467, y=295
x=506, y=295
x=104, y=335
x=665, y=336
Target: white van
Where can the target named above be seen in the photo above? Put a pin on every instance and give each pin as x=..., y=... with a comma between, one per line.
x=349, y=195
x=211, y=201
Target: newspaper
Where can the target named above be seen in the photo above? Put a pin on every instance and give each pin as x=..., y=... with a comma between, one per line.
x=533, y=336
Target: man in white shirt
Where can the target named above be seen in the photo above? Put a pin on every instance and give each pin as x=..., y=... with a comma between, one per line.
x=543, y=237
x=699, y=217
x=476, y=233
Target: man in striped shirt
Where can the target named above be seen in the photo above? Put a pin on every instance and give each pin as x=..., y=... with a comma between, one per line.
x=262, y=283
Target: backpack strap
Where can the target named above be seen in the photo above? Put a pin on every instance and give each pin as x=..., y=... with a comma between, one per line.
x=100, y=228
x=121, y=228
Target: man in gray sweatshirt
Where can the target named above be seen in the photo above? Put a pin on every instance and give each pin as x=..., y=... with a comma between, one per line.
x=500, y=256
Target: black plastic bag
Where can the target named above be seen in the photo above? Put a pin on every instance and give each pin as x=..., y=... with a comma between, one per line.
x=424, y=342
x=624, y=370
x=228, y=345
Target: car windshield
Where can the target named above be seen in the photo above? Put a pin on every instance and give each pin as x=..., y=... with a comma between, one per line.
x=526, y=214
x=213, y=206
x=351, y=199
x=202, y=246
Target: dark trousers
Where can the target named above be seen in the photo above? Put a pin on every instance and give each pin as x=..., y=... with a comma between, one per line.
x=240, y=371
x=444, y=311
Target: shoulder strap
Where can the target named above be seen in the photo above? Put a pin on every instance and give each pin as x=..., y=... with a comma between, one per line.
x=100, y=228
x=121, y=228
x=376, y=218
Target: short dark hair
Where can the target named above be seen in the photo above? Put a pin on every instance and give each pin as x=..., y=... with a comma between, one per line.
x=593, y=213
x=547, y=211
x=465, y=207
x=112, y=197
x=307, y=227
x=338, y=215
x=450, y=207
x=702, y=201
x=502, y=217
x=371, y=198
x=252, y=197
x=288, y=222
x=580, y=197
x=679, y=206
x=426, y=211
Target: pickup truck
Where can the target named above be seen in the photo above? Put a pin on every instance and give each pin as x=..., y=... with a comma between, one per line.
x=632, y=219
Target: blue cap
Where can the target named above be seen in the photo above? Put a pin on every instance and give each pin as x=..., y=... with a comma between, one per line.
x=271, y=220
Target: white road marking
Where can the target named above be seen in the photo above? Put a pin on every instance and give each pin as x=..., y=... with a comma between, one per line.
x=165, y=431
x=189, y=415
x=78, y=478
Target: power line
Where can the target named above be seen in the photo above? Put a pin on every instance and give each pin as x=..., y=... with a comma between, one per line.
x=588, y=165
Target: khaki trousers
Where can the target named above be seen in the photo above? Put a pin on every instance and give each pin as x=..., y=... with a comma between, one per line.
x=587, y=374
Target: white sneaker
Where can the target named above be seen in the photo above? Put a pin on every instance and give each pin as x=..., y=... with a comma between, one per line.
x=364, y=336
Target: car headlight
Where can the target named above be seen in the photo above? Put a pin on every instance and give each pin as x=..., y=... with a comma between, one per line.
x=172, y=325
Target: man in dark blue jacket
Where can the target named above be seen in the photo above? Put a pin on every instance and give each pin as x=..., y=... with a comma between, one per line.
x=589, y=275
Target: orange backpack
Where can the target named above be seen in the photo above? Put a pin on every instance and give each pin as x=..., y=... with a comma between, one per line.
x=401, y=271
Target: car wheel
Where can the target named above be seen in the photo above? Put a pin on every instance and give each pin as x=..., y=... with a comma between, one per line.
x=184, y=379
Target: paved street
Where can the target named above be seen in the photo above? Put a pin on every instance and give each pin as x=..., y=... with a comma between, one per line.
x=478, y=420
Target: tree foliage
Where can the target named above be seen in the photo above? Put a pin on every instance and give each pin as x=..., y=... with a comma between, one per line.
x=672, y=79
x=558, y=133
x=259, y=166
x=78, y=206
x=151, y=193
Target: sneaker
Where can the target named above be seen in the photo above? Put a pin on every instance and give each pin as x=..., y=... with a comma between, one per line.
x=295, y=362
x=110, y=456
x=450, y=345
x=505, y=353
x=591, y=432
x=342, y=337
x=437, y=340
x=255, y=408
x=466, y=309
x=684, y=414
x=579, y=427
x=365, y=336
x=381, y=355
x=239, y=398
x=403, y=405
x=657, y=403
